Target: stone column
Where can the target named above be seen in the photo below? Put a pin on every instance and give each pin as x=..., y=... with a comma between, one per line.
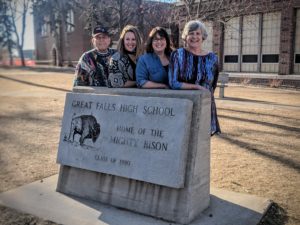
x=218, y=42
x=287, y=34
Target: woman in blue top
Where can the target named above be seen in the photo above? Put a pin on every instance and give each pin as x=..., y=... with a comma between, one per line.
x=152, y=67
x=194, y=68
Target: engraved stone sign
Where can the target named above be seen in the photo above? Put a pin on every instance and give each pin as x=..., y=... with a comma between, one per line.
x=143, y=138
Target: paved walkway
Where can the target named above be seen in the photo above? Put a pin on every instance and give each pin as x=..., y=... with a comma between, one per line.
x=264, y=76
x=41, y=199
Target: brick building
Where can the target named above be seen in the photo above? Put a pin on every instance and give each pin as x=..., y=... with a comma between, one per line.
x=48, y=50
x=67, y=47
x=250, y=36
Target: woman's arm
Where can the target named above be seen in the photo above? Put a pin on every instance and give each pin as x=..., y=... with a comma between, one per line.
x=215, y=72
x=187, y=86
x=82, y=72
x=129, y=83
x=151, y=84
x=116, y=77
x=174, y=71
x=142, y=74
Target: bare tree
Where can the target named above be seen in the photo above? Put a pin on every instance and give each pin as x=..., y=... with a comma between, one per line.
x=115, y=14
x=155, y=14
x=6, y=37
x=221, y=10
x=18, y=9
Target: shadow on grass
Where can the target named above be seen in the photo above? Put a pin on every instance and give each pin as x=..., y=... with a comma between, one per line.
x=29, y=116
x=34, y=84
x=45, y=69
x=283, y=127
x=257, y=114
x=279, y=158
x=256, y=101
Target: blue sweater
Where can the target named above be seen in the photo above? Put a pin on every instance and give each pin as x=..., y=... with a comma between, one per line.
x=149, y=68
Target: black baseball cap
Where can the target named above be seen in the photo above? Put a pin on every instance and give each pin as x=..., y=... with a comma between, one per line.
x=100, y=29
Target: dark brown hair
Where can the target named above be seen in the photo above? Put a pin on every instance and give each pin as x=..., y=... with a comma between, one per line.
x=162, y=33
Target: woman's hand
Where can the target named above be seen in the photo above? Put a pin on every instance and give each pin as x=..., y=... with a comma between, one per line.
x=188, y=86
x=199, y=87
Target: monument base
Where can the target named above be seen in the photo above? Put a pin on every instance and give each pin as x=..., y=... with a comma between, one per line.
x=41, y=199
x=159, y=201
x=170, y=183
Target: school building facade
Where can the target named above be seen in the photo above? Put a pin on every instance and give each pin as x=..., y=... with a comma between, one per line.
x=265, y=38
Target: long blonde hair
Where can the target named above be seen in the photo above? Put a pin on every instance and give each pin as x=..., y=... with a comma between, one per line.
x=138, y=38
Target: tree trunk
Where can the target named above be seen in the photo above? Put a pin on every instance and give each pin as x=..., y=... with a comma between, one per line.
x=11, y=59
x=57, y=36
x=64, y=31
x=9, y=45
x=21, y=53
x=140, y=17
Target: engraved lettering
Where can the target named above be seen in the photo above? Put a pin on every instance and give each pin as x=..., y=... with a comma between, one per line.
x=161, y=111
x=141, y=131
x=132, y=142
x=105, y=106
x=124, y=162
x=101, y=158
x=155, y=145
x=157, y=133
x=125, y=129
x=128, y=108
x=82, y=104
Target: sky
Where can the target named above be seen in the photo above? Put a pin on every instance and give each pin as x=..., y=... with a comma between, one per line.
x=29, y=37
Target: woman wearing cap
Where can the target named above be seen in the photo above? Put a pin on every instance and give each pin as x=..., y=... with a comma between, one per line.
x=123, y=63
x=194, y=68
x=152, y=67
x=92, y=67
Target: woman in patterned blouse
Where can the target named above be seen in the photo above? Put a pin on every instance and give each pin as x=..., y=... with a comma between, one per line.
x=194, y=68
x=123, y=63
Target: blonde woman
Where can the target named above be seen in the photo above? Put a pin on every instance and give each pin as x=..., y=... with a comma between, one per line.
x=123, y=63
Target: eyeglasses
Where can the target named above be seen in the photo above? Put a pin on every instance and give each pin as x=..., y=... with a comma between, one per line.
x=158, y=39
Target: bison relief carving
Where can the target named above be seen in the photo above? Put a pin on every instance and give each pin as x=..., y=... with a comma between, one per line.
x=86, y=126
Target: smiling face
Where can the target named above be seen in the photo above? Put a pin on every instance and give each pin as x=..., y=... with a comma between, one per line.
x=159, y=44
x=194, y=39
x=101, y=41
x=129, y=41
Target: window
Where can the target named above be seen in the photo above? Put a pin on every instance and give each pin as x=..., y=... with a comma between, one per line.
x=297, y=58
x=249, y=59
x=231, y=44
x=45, y=29
x=270, y=58
x=231, y=59
x=70, y=21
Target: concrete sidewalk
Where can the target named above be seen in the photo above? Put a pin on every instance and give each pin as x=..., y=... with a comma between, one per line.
x=265, y=79
x=40, y=199
x=263, y=75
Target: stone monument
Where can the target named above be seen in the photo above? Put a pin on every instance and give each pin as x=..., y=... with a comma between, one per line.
x=143, y=150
